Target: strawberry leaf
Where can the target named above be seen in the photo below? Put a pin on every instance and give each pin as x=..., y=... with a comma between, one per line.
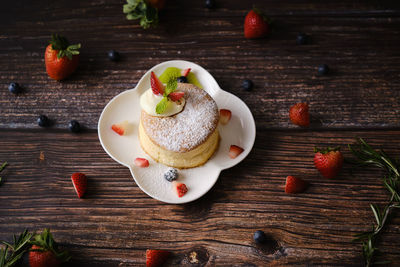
x=162, y=105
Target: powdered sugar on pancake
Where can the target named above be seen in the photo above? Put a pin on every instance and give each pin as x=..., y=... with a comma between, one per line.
x=187, y=129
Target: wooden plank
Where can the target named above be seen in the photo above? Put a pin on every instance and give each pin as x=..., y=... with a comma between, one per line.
x=116, y=222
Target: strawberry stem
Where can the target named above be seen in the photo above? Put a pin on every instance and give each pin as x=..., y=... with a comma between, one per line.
x=326, y=150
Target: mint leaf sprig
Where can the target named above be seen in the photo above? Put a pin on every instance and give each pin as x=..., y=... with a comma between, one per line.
x=139, y=9
x=366, y=155
x=170, y=88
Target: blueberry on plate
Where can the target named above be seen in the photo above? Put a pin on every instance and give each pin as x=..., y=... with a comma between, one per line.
x=171, y=174
x=114, y=55
x=247, y=85
x=260, y=237
x=14, y=88
x=182, y=79
x=210, y=3
x=323, y=69
x=74, y=126
x=301, y=38
x=43, y=121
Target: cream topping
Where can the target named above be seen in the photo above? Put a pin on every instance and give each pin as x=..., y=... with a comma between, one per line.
x=149, y=101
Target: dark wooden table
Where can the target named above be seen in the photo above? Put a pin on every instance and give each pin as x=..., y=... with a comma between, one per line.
x=117, y=222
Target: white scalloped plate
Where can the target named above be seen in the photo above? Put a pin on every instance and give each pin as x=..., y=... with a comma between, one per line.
x=240, y=130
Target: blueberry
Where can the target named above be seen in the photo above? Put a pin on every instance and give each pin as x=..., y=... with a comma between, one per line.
x=182, y=79
x=301, y=38
x=171, y=175
x=247, y=85
x=14, y=88
x=74, y=126
x=210, y=3
x=114, y=55
x=43, y=121
x=323, y=69
x=260, y=237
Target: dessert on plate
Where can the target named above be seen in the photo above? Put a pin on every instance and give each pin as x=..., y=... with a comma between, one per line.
x=178, y=124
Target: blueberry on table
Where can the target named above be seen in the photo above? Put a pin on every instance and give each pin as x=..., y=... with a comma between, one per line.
x=182, y=79
x=171, y=175
x=14, y=88
x=260, y=237
x=301, y=38
x=247, y=85
x=74, y=126
x=114, y=55
x=43, y=121
x=210, y=3
x=323, y=69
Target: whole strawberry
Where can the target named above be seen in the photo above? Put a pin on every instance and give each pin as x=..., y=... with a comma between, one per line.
x=256, y=24
x=61, y=58
x=156, y=257
x=328, y=161
x=44, y=251
x=299, y=115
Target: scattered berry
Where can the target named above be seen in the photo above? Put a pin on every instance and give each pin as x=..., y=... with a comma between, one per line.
x=224, y=116
x=156, y=257
x=79, y=181
x=299, y=115
x=301, y=38
x=260, y=237
x=323, y=69
x=43, y=121
x=235, y=151
x=210, y=3
x=141, y=162
x=171, y=175
x=175, y=96
x=295, y=185
x=247, y=85
x=182, y=79
x=180, y=188
x=255, y=25
x=328, y=162
x=114, y=55
x=74, y=126
x=120, y=128
x=14, y=88
x=156, y=85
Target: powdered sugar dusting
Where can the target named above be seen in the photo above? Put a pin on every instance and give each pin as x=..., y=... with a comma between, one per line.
x=187, y=129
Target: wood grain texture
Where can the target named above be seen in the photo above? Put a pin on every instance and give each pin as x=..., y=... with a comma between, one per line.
x=358, y=40
x=117, y=222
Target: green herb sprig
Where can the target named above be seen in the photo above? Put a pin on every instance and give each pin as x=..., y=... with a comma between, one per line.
x=12, y=253
x=140, y=9
x=2, y=167
x=366, y=155
x=170, y=88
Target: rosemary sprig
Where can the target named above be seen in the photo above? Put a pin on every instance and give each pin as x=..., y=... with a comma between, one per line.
x=366, y=155
x=2, y=167
x=12, y=253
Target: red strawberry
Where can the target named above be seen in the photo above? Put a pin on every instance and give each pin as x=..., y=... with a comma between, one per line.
x=120, y=128
x=295, y=185
x=185, y=72
x=329, y=161
x=156, y=257
x=156, y=85
x=224, y=116
x=235, y=151
x=180, y=188
x=44, y=252
x=256, y=25
x=79, y=181
x=61, y=58
x=299, y=115
x=175, y=96
x=141, y=162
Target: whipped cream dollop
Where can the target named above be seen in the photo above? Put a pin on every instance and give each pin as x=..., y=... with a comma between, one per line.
x=149, y=101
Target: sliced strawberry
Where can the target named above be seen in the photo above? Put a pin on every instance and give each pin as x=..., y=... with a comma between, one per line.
x=295, y=185
x=185, y=72
x=180, y=188
x=235, y=151
x=156, y=85
x=175, y=96
x=79, y=181
x=156, y=257
x=141, y=162
x=224, y=116
x=118, y=129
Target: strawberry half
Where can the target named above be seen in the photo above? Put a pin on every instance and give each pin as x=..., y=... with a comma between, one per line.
x=141, y=162
x=120, y=128
x=235, y=151
x=79, y=181
x=180, y=188
x=299, y=115
x=156, y=257
x=295, y=185
x=328, y=162
x=175, y=96
x=185, y=72
x=225, y=116
x=156, y=85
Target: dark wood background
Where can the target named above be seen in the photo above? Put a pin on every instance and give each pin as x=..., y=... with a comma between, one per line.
x=117, y=222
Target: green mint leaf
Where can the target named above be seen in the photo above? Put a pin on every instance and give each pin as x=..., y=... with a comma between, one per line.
x=172, y=84
x=139, y=9
x=162, y=105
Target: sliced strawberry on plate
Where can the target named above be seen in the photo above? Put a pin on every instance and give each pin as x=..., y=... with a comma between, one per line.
x=295, y=185
x=156, y=85
x=175, y=96
x=185, y=72
x=179, y=188
x=79, y=181
x=235, y=151
x=224, y=116
x=120, y=128
x=141, y=162
x=156, y=257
